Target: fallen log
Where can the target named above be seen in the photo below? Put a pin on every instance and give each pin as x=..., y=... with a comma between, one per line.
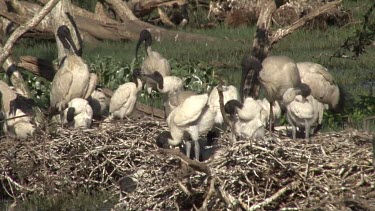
x=104, y=28
x=37, y=66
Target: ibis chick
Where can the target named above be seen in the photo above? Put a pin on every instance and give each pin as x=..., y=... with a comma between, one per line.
x=299, y=110
x=124, y=98
x=78, y=114
x=99, y=102
x=248, y=118
x=229, y=93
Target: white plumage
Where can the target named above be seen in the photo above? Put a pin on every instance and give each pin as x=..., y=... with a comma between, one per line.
x=154, y=61
x=175, y=99
x=322, y=85
x=229, y=93
x=276, y=75
x=248, y=118
x=99, y=102
x=171, y=87
x=124, y=98
x=78, y=114
x=73, y=78
x=266, y=106
x=16, y=111
x=300, y=111
x=189, y=120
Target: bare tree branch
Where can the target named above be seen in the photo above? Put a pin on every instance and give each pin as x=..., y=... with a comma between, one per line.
x=283, y=32
x=5, y=51
x=263, y=40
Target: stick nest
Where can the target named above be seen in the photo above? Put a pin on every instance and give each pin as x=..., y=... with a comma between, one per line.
x=331, y=171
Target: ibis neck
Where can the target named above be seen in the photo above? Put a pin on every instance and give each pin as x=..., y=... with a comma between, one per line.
x=138, y=82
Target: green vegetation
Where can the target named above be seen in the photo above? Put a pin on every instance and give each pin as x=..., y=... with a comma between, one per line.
x=201, y=64
x=80, y=201
x=198, y=62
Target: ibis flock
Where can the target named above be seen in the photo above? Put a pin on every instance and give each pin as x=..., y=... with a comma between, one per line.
x=300, y=90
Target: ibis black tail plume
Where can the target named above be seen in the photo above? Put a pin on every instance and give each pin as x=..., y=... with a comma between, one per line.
x=249, y=79
x=144, y=36
x=64, y=35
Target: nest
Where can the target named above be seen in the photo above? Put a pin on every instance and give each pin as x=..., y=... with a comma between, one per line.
x=331, y=171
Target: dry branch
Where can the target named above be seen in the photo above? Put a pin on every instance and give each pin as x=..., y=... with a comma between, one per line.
x=6, y=50
x=192, y=163
x=281, y=33
x=264, y=39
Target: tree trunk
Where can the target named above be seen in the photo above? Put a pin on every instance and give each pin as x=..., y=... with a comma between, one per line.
x=60, y=15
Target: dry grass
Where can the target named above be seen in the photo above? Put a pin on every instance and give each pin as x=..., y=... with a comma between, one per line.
x=331, y=171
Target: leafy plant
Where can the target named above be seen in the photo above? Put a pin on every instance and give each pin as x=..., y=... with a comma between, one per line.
x=111, y=72
x=363, y=37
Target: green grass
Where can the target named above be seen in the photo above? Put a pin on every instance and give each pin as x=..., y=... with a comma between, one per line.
x=81, y=201
x=112, y=59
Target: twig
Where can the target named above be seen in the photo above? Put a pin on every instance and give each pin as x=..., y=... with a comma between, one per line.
x=210, y=192
x=192, y=163
x=274, y=196
x=6, y=50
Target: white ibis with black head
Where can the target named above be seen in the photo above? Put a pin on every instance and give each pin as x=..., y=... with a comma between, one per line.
x=300, y=109
x=78, y=114
x=124, y=98
x=154, y=61
x=188, y=121
x=73, y=78
x=248, y=118
x=276, y=75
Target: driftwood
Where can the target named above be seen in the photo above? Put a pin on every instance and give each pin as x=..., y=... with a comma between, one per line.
x=330, y=171
x=264, y=39
x=103, y=28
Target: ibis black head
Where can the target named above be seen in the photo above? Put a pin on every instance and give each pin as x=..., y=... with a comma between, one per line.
x=231, y=105
x=156, y=76
x=64, y=35
x=22, y=103
x=136, y=74
x=70, y=114
x=305, y=89
x=144, y=36
x=162, y=139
